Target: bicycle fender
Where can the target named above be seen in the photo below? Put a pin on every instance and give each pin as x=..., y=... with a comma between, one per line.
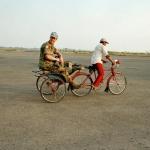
x=58, y=75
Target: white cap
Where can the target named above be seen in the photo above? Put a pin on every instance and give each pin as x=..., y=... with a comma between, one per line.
x=104, y=40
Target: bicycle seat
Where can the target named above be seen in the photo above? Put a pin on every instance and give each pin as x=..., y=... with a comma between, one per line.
x=92, y=68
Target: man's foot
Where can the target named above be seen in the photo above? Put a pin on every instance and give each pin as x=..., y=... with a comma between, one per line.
x=94, y=88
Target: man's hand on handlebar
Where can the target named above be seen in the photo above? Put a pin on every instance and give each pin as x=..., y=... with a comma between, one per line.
x=113, y=63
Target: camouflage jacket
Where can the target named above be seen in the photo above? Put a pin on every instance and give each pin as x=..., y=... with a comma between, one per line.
x=49, y=49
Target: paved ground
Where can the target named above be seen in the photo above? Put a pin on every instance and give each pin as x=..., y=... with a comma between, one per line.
x=99, y=121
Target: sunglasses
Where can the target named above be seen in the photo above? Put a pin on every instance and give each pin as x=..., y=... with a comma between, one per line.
x=53, y=37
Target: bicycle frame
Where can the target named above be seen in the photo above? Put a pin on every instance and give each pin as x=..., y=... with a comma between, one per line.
x=90, y=75
x=111, y=72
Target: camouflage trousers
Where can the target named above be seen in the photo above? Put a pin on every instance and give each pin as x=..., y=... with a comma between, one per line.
x=56, y=68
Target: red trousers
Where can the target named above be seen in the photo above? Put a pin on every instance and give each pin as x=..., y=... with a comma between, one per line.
x=100, y=76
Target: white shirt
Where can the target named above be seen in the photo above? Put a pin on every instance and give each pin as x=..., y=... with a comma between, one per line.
x=99, y=52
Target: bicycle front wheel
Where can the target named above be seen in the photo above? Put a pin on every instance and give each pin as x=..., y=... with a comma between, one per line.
x=117, y=83
x=86, y=85
x=53, y=89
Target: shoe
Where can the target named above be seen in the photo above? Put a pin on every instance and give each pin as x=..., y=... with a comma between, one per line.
x=107, y=89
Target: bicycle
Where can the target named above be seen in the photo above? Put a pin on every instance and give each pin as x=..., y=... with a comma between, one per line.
x=53, y=88
x=116, y=81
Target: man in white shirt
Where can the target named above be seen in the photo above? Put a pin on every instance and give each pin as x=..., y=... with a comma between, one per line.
x=97, y=60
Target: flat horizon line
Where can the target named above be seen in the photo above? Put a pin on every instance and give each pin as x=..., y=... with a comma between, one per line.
x=76, y=50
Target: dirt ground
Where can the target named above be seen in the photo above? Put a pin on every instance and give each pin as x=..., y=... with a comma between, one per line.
x=99, y=121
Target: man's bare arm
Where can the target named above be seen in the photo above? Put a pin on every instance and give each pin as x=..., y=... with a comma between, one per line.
x=110, y=59
x=104, y=61
x=58, y=53
x=51, y=58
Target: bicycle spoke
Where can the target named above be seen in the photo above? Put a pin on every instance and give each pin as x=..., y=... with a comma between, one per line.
x=55, y=87
x=85, y=82
x=117, y=84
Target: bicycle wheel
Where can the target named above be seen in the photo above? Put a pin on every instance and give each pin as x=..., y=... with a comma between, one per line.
x=53, y=89
x=86, y=85
x=39, y=81
x=117, y=84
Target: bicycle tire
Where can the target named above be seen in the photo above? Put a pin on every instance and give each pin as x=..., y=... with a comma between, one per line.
x=117, y=84
x=55, y=89
x=39, y=81
x=85, y=88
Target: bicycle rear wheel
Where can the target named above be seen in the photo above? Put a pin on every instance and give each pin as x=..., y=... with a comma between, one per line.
x=53, y=89
x=86, y=85
x=117, y=84
x=39, y=81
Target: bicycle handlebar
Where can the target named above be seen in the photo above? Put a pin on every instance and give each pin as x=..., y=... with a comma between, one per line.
x=117, y=61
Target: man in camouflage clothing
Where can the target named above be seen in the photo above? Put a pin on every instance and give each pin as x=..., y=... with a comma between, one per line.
x=50, y=56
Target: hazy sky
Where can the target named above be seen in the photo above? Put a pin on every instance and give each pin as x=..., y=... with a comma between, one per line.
x=79, y=23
